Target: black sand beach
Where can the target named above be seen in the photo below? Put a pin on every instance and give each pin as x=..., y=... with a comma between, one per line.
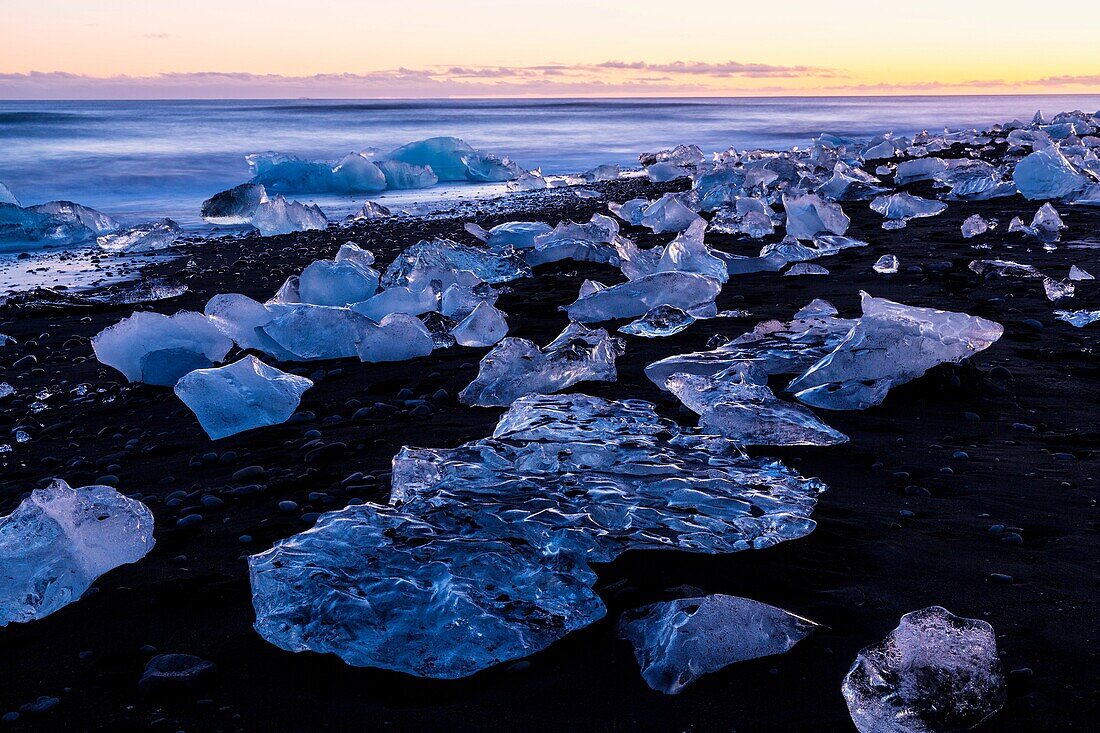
x=906, y=522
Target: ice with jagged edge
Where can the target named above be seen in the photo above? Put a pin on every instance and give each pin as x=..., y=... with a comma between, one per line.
x=1054, y=289
x=403, y=176
x=664, y=320
x=280, y=173
x=774, y=347
x=899, y=208
x=484, y=326
x=347, y=278
x=94, y=221
x=483, y=555
x=242, y=396
x=279, y=216
x=157, y=349
x=56, y=222
x=59, y=540
x=1047, y=174
x=453, y=159
x=516, y=234
x=976, y=224
x=1046, y=225
x=677, y=642
x=891, y=344
x=886, y=265
x=491, y=266
x=936, y=672
x=7, y=197
x=235, y=206
x=749, y=413
x=810, y=214
x=1080, y=319
x=518, y=367
x=370, y=211
x=148, y=237
x=688, y=291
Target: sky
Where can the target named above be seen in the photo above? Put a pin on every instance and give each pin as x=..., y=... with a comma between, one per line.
x=112, y=49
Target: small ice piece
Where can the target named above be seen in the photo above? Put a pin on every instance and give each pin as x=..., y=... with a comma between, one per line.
x=935, y=673
x=664, y=320
x=665, y=172
x=6, y=390
x=444, y=255
x=631, y=211
x=810, y=214
x=403, y=176
x=749, y=414
x=586, y=193
x=1079, y=319
x=1054, y=289
x=155, y=235
x=688, y=291
x=890, y=345
x=7, y=197
x=517, y=234
x=669, y=214
x=975, y=225
x=1076, y=273
x=59, y=540
x=688, y=253
x=922, y=169
x=159, y=349
x=371, y=210
x=241, y=396
x=94, y=221
x=283, y=217
x=850, y=184
x=459, y=300
x=337, y=282
x=886, y=265
x=528, y=181
x=899, y=208
x=805, y=268
x=1046, y=174
x=605, y=172
x=517, y=367
x=685, y=155
x=399, y=299
x=1047, y=224
x=236, y=206
x=484, y=326
x=676, y=642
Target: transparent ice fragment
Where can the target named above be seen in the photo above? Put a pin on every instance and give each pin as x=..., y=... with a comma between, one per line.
x=1079, y=319
x=664, y=320
x=484, y=326
x=517, y=234
x=94, y=221
x=1046, y=174
x=886, y=265
x=805, y=268
x=669, y=214
x=810, y=214
x=236, y=206
x=280, y=216
x=901, y=207
x=403, y=176
x=159, y=234
x=688, y=291
x=241, y=396
x=445, y=255
x=371, y=210
x=975, y=225
x=1077, y=273
x=158, y=349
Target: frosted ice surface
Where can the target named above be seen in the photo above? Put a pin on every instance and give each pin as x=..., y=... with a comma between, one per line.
x=749, y=414
x=59, y=540
x=676, y=642
x=517, y=367
x=483, y=555
x=333, y=282
x=890, y=345
x=922, y=169
x=484, y=326
x=154, y=235
x=1046, y=174
x=245, y=395
x=665, y=172
x=810, y=214
x=630, y=211
x=936, y=672
x=396, y=337
x=688, y=291
x=158, y=349
x=236, y=206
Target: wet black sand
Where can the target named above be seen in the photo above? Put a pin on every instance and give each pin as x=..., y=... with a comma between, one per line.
x=904, y=524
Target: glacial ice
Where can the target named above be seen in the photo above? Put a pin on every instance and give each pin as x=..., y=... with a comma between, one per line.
x=19, y=226
x=748, y=414
x=280, y=216
x=280, y=173
x=886, y=265
x=1046, y=174
x=459, y=300
x=149, y=237
x=1078, y=274
x=396, y=337
x=664, y=320
x=94, y=221
x=688, y=291
x=484, y=326
x=630, y=211
x=340, y=281
x=689, y=156
x=400, y=175
x=935, y=673
x=676, y=642
x=452, y=159
x=7, y=197
x=517, y=234
x=891, y=344
x=1080, y=319
x=312, y=332
x=517, y=367
x=1046, y=225
x=669, y=214
x=483, y=555
x=443, y=254
x=899, y=208
x=805, y=268
x=159, y=349
x=59, y=540
x=850, y=183
x=687, y=252
x=236, y=206
x=371, y=210
x=1054, y=289
x=665, y=172
x=975, y=225
x=921, y=169
x=241, y=396
x=398, y=299
x=810, y=214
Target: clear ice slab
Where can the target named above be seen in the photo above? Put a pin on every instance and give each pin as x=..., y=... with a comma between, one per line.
x=690, y=292
x=155, y=235
x=59, y=540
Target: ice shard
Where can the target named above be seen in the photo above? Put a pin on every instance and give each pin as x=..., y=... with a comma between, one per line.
x=158, y=349
x=399, y=299
x=443, y=254
x=371, y=210
x=59, y=540
x=149, y=237
x=935, y=673
x=810, y=214
x=974, y=225
x=687, y=291
x=1054, y=289
x=899, y=208
x=7, y=197
x=484, y=326
x=676, y=642
x=664, y=320
x=890, y=344
x=1079, y=319
x=280, y=216
x=886, y=265
x=236, y=206
x=94, y=221
x=517, y=234
x=517, y=367
x=669, y=214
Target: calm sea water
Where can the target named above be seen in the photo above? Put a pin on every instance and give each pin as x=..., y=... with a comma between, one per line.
x=138, y=159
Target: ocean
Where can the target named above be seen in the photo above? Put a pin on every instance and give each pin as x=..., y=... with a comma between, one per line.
x=142, y=159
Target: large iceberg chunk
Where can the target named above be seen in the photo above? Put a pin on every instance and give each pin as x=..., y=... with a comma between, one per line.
x=19, y=226
x=676, y=642
x=452, y=159
x=149, y=237
x=483, y=555
x=749, y=414
x=157, y=349
x=236, y=206
x=688, y=291
x=935, y=673
x=245, y=395
x=59, y=540
x=280, y=216
x=517, y=367
x=280, y=173
x=890, y=345
x=1046, y=174
x=810, y=214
